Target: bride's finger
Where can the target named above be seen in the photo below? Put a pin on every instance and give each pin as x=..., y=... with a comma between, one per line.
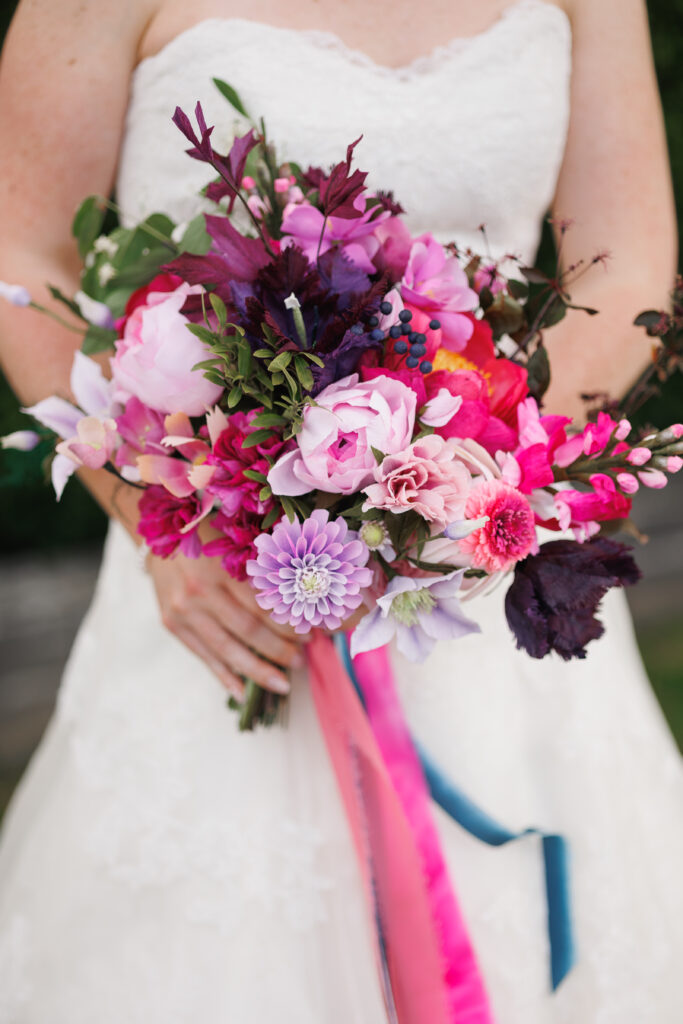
x=247, y=627
x=237, y=657
x=231, y=683
x=244, y=595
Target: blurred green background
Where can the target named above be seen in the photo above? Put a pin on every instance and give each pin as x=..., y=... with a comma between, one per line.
x=30, y=519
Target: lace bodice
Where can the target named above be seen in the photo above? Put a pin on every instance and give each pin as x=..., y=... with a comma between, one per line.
x=471, y=134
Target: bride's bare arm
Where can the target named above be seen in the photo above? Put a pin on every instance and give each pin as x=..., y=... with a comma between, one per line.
x=615, y=185
x=64, y=80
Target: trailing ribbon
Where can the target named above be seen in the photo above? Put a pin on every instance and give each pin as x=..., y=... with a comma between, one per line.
x=426, y=960
x=479, y=824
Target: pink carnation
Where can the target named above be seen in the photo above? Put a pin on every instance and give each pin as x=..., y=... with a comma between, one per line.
x=235, y=491
x=425, y=477
x=508, y=536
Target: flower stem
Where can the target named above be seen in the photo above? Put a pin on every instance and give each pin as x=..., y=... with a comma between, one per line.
x=250, y=708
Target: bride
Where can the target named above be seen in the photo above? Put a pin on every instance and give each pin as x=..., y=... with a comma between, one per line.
x=158, y=866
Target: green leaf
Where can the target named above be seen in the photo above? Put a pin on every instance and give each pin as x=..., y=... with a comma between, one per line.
x=253, y=474
x=268, y=419
x=538, y=372
x=256, y=438
x=196, y=240
x=69, y=303
x=265, y=493
x=219, y=309
x=97, y=339
x=534, y=276
x=282, y=360
x=289, y=509
x=313, y=358
x=244, y=359
x=518, y=289
x=235, y=396
x=201, y=332
x=380, y=456
x=232, y=96
x=87, y=224
x=270, y=518
x=263, y=353
x=303, y=372
x=140, y=271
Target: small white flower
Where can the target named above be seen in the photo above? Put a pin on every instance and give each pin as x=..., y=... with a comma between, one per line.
x=291, y=302
x=106, y=245
x=178, y=232
x=15, y=293
x=105, y=274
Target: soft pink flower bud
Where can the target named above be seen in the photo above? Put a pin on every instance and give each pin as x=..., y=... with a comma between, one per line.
x=248, y=182
x=639, y=456
x=623, y=430
x=628, y=483
x=673, y=463
x=281, y=184
x=653, y=478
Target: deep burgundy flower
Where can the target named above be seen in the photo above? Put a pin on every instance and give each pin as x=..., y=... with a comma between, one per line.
x=555, y=594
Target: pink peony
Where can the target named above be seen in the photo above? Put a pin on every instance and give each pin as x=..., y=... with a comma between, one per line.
x=334, y=446
x=436, y=283
x=303, y=225
x=427, y=478
x=155, y=357
x=508, y=536
x=168, y=523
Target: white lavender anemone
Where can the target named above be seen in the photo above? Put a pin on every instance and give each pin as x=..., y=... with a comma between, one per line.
x=418, y=612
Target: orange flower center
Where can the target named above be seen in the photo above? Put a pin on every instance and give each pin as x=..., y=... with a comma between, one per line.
x=453, y=361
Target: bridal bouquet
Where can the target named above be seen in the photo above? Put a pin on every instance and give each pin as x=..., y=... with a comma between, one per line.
x=346, y=414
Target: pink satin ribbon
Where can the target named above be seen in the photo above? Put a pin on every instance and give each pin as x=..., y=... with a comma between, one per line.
x=433, y=973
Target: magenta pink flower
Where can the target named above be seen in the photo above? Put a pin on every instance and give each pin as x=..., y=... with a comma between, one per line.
x=436, y=283
x=334, y=446
x=168, y=523
x=236, y=492
x=156, y=356
x=426, y=478
x=302, y=225
x=604, y=502
x=509, y=534
x=141, y=430
x=236, y=546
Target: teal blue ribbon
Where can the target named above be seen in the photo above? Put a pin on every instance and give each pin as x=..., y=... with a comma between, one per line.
x=481, y=825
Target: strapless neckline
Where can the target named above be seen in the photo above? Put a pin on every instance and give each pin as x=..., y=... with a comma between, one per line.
x=329, y=40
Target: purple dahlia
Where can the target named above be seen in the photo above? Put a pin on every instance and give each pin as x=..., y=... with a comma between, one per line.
x=310, y=574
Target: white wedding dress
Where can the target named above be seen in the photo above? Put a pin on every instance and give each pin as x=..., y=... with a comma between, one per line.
x=157, y=867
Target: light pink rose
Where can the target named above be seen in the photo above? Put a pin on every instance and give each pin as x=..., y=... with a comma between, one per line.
x=426, y=477
x=154, y=359
x=334, y=446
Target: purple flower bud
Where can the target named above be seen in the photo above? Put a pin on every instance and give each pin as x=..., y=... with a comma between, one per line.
x=15, y=293
x=20, y=440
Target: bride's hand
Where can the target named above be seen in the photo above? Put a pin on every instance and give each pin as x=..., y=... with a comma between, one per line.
x=218, y=619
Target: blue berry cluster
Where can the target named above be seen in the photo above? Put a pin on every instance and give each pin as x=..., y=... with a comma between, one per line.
x=407, y=342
